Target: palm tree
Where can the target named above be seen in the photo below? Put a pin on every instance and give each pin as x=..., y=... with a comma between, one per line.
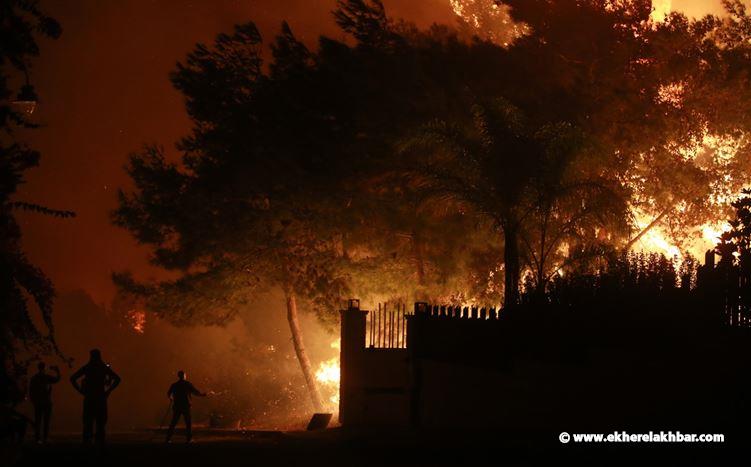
x=526, y=178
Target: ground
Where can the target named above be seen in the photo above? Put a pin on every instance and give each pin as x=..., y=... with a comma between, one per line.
x=336, y=447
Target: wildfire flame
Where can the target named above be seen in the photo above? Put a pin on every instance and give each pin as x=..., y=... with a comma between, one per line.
x=707, y=152
x=137, y=320
x=658, y=240
x=328, y=375
x=488, y=20
x=460, y=9
x=661, y=9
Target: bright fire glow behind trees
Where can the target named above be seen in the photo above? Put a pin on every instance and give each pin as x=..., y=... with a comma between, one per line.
x=661, y=8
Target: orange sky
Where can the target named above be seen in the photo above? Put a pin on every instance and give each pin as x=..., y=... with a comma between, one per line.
x=104, y=93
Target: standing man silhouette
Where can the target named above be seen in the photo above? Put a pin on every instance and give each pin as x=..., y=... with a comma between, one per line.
x=180, y=393
x=98, y=383
x=40, y=393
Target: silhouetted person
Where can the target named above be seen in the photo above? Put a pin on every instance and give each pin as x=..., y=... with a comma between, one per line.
x=180, y=393
x=98, y=382
x=40, y=393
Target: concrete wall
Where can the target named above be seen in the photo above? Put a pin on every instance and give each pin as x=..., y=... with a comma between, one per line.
x=478, y=373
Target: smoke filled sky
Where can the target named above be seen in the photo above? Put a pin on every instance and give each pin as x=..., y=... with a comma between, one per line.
x=104, y=92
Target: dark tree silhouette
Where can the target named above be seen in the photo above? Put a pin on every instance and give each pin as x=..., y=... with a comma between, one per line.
x=283, y=174
x=298, y=161
x=735, y=244
x=236, y=218
x=272, y=191
x=21, y=22
x=529, y=181
x=644, y=113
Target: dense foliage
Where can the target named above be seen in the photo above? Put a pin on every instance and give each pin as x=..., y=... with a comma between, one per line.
x=21, y=23
x=403, y=163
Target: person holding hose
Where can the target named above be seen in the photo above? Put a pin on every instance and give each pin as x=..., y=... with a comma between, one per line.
x=180, y=393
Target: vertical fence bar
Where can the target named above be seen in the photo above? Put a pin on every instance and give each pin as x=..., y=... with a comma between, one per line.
x=381, y=326
x=387, y=334
x=378, y=331
x=395, y=339
x=391, y=329
x=384, y=322
x=398, y=327
x=386, y=313
x=404, y=326
x=388, y=329
x=401, y=331
x=375, y=327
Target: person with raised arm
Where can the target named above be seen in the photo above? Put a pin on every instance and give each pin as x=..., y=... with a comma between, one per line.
x=40, y=394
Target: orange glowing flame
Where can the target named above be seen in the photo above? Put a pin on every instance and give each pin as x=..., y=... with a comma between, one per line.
x=707, y=152
x=658, y=240
x=488, y=20
x=137, y=320
x=661, y=9
x=328, y=375
x=460, y=8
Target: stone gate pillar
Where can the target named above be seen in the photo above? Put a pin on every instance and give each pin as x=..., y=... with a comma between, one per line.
x=353, y=322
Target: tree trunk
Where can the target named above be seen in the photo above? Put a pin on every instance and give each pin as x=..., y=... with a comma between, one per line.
x=511, y=265
x=302, y=355
x=646, y=229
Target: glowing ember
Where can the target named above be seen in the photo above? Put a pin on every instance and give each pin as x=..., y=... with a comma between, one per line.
x=137, y=320
x=328, y=375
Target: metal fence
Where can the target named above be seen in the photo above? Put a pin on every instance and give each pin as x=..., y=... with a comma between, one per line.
x=457, y=312
x=386, y=327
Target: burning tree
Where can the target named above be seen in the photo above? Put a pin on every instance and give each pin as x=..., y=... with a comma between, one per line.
x=292, y=178
x=528, y=180
x=268, y=194
x=653, y=96
x=487, y=19
x=236, y=217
